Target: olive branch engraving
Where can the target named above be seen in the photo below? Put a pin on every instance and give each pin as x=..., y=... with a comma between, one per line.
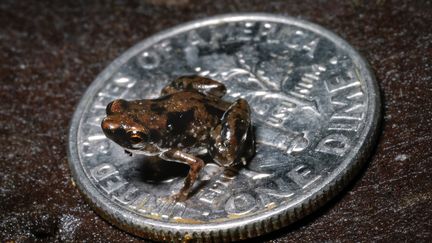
x=263, y=83
x=267, y=84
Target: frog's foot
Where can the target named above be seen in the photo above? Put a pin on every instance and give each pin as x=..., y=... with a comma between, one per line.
x=233, y=138
x=195, y=163
x=178, y=197
x=196, y=83
x=248, y=147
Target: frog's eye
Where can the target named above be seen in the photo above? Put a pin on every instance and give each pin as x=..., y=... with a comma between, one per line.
x=136, y=137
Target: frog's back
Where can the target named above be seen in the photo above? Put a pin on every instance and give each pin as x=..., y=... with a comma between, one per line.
x=203, y=106
x=189, y=116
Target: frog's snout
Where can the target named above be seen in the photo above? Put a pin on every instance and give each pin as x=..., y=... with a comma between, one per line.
x=109, y=124
x=112, y=129
x=116, y=106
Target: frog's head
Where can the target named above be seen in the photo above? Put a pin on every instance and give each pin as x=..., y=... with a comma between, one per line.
x=121, y=126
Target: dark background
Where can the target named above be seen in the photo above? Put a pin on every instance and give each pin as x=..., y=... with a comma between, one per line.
x=51, y=51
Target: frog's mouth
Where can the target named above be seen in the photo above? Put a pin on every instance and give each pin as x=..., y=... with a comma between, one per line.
x=147, y=149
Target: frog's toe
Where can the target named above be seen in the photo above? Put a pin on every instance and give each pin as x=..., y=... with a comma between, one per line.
x=200, y=84
x=230, y=137
x=178, y=197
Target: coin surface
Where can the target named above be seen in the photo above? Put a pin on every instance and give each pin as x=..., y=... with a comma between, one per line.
x=315, y=109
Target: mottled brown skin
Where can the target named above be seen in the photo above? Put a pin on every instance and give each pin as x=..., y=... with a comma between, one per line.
x=189, y=119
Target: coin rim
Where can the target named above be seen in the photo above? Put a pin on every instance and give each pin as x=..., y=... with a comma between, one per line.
x=248, y=226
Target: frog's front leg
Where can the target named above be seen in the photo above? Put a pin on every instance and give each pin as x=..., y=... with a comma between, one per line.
x=195, y=163
x=197, y=83
x=232, y=139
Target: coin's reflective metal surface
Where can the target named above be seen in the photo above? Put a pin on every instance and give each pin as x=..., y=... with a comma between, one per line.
x=315, y=111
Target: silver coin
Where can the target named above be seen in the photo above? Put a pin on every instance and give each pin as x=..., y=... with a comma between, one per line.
x=315, y=107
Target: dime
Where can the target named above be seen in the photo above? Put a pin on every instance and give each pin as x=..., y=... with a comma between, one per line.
x=315, y=108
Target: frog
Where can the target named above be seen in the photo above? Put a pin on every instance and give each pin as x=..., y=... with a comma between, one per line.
x=186, y=123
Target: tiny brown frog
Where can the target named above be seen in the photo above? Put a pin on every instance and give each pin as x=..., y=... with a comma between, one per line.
x=188, y=120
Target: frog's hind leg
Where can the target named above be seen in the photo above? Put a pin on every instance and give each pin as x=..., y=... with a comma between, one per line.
x=248, y=149
x=233, y=139
x=195, y=164
x=195, y=83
